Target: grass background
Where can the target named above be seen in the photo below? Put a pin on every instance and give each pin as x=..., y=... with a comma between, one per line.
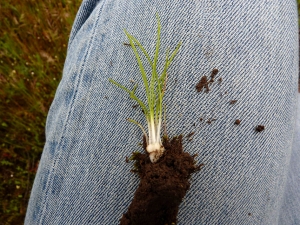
x=33, y=43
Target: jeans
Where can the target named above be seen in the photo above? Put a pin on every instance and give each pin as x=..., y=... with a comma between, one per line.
x=249, y=177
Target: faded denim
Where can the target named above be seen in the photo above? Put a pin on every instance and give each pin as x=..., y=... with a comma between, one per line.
x=248, y=177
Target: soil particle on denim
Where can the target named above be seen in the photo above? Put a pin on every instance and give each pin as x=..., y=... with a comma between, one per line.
x=237, y=122
x=190, y=135
x=204, y=82
x=220, y=80
x=232, y=102
x=214, y=72
x=162, y=185
x=260, y=128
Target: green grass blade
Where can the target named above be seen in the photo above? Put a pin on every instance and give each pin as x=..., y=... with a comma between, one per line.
x=143, y=50
x=168, y=62
x=137, y=123
x=119, y=85
x=174, y=53
x=164, y=73
x=142, y=70
x=156, y=93
x=132, y=95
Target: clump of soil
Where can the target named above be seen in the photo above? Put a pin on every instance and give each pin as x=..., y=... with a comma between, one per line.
x=190, y=135
x=237, y=122
x=162, y=185
x=213, y=74
x=232, y=102
x=204, y=82
x=260, y=128
x=220, y=80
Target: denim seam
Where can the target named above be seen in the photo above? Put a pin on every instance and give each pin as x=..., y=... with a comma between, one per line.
x=50, y=179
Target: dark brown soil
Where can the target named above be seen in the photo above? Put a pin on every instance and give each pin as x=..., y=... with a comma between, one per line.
x=232, y=102
x=214, y=72
x=220, y=80
x=190, y=135
x=204, y=82
x=237, y=122
x=162, y=185
x=260, y=128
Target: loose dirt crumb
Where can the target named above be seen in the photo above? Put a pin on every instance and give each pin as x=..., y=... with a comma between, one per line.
x=190, y=135
x=213, y=74
x=203, y=83
x=128, y=44
x=209, y=121
x=237, y=122
x=260, y=128
x=232, y=102
x=220, y=80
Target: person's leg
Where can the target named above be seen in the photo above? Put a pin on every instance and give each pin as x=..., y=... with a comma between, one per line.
x=82, y=176
x=289, y=213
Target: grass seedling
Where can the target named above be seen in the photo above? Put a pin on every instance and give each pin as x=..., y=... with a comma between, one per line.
x=154, y=89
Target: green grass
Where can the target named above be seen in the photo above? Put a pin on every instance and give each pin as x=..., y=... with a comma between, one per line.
x=33, y=44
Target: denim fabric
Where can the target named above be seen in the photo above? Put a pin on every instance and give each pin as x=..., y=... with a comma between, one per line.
x=83, y=178
x=289, y=213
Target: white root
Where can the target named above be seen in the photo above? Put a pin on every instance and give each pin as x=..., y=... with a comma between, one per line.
x=155, y=151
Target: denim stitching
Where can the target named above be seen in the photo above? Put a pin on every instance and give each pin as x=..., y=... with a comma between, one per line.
x=66, y=122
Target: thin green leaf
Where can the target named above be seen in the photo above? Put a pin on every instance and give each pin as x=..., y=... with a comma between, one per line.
x=156, y=93
x=168, y=62
x=119, y=85
x=162, y=77
x=142, y=70
x=137, y=123
x=132, y=95
x=143, y=50
x=174, y=53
